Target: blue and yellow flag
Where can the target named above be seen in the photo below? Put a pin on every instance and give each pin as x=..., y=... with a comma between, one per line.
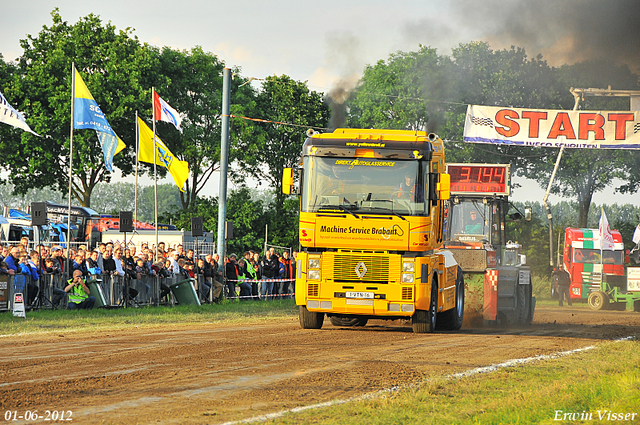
x=87, y=114
x=179, y=169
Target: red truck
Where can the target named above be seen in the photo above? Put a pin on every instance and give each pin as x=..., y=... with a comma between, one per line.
x=588, y=265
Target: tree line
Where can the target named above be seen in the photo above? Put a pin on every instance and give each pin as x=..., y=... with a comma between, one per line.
x=416, y=90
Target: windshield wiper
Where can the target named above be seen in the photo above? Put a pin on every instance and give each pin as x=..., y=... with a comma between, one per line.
x=341, y=207
x=346, y=210
x=388, y=209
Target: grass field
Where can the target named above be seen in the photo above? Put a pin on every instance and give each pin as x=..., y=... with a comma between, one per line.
x=596, y=386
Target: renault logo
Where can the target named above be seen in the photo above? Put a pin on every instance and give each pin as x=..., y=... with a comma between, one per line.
x=361, y=269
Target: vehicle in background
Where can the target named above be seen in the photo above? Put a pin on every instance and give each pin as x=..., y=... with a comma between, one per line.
x=597, y=276
x=497, y=279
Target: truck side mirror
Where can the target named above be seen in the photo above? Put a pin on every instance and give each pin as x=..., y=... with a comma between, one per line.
x=527, y=213
x=287, y=181
x=444, y=186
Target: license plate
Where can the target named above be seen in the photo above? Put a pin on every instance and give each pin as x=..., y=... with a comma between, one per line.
x=366, y=295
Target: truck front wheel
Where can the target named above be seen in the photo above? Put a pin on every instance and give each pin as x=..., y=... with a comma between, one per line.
x=598, y=300
x=424, y=321
x=309, y=319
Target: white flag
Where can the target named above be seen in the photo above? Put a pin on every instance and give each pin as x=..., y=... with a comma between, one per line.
x=636, y=235
x=606, y=238
x=9, y=115
x=163, y=112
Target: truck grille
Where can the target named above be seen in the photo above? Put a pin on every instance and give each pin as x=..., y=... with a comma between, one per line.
x=344, y=268
x=312, y=290
x=407, y=293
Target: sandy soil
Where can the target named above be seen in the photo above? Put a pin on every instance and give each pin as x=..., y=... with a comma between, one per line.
x=209, y=373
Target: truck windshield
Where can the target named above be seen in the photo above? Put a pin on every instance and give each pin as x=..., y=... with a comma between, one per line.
x=366, y=185
x=469, y=218
x=592, y=256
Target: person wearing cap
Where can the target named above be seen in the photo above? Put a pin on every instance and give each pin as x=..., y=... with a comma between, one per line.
x=473, y=225
x=55, y=255
x=78, y=291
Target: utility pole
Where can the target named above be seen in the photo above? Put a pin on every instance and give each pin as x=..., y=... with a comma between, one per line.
x=224, y=160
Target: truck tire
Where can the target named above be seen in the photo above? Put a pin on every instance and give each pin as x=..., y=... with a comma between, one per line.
x=348, y=321
x=523, y=301
x=636, y=306
x=424, y=321
x=451, y=320
x=309, y=319
x=598, y=300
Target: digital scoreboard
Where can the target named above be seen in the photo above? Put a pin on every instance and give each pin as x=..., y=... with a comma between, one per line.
x=480, y=178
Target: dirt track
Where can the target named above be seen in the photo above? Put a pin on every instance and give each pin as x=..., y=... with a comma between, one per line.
x=213, y=373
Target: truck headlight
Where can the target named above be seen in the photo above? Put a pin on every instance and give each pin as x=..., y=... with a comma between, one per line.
x=314, y=263
x=314, y=274
x=407, y=277
x=408, y=267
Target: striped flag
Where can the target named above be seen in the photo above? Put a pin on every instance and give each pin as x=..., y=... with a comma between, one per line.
x=9, y=115
x=636, y=235
x=163, y=112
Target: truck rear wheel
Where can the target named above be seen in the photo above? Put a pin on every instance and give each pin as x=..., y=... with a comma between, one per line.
x=309, y=319
x=598, y=300
x=424, y=321
x=523, y=301
x=348, y=321
x=451, y=320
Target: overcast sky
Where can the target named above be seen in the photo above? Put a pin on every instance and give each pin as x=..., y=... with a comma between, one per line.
x=325, y=41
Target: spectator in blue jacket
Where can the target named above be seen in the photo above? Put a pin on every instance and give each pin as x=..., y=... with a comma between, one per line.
x=79, y=264
x=12, y=260
x=25, y=269
x=93, y=265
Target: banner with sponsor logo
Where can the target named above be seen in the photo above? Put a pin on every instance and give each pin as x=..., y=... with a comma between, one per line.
x=552, y=128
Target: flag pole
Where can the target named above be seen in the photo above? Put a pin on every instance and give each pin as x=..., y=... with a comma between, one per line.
x=135, y=191
x=155, y=165
x=73, y=94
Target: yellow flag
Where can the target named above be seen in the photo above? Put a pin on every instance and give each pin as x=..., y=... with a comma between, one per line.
x=178, y=169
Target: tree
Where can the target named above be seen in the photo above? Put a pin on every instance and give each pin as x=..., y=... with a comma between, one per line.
x=396, y=94
x=273, y=146
x=168, y=201
x=117, y=71
x=410, y=90
x=114, y=197
x=248, y=214
x=584, y=172
x=191, y=81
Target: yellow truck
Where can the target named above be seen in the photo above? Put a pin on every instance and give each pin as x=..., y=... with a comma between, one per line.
x=371, y=222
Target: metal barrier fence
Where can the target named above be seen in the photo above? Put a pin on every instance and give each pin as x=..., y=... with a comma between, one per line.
x=111, y=290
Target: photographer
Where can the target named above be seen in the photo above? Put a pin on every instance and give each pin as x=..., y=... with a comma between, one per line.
x=79, y=293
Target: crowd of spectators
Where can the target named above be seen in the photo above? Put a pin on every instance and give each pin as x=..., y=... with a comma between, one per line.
x=272, y=276
x=269, y=276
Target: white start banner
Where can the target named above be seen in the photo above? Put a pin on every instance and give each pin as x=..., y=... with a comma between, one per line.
x=552, y=128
